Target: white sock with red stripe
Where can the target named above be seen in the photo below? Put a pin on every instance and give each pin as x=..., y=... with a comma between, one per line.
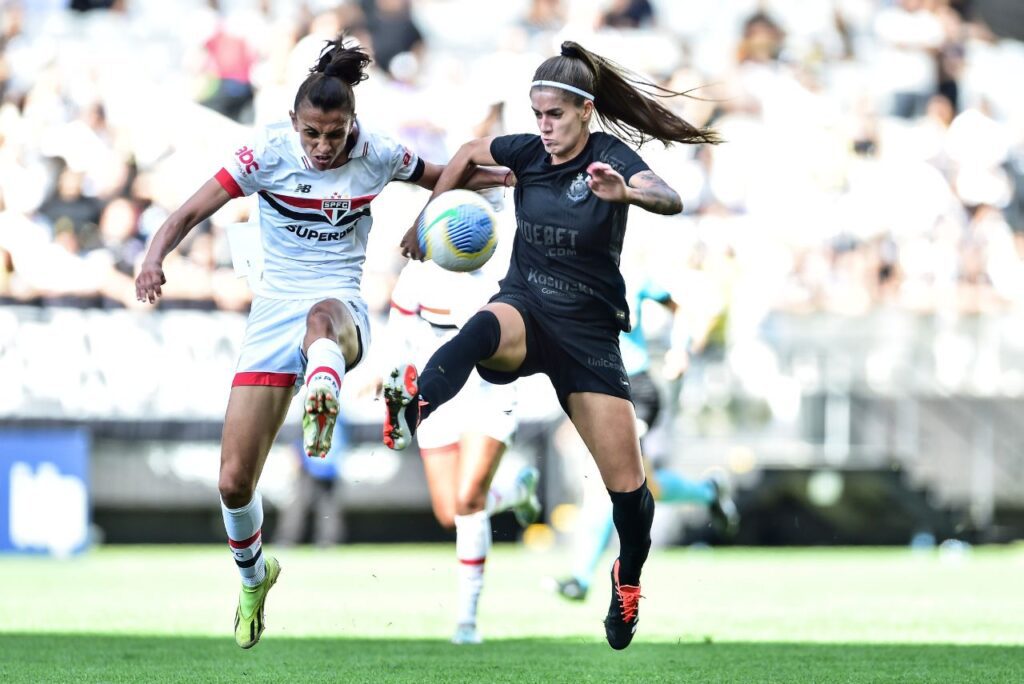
x=245, y=539
x=472, y=541
x=325, y=364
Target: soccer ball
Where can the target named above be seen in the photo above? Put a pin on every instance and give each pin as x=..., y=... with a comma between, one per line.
x=457, y=231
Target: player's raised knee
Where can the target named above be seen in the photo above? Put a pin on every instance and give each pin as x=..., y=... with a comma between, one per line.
x=320, y=321
x=236, y=490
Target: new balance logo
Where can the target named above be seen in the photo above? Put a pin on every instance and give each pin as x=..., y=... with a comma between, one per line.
x=303, y=188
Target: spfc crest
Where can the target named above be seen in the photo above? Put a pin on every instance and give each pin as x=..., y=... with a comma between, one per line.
x=334, y=209
x=578, y=189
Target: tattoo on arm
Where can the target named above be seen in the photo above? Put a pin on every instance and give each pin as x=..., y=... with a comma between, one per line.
x=654, y=194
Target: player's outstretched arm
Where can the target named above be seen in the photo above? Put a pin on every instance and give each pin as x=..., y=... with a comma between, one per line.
x=478, y=177
x=463, y=170
x=197, y=208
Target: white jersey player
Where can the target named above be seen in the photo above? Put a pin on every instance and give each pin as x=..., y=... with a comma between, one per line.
x=465, y=439
x=316, y=181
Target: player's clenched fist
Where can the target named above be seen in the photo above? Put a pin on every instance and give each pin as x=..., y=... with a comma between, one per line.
x=606, y=183
x=148, y=282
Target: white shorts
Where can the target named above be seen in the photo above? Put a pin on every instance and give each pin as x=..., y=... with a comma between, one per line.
x=271, y=353
x=479, y=407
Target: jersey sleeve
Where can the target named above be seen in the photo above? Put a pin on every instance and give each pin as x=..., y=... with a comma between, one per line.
x=243, y=174
x=623, y=159
x=508, y=150
x=403, y=164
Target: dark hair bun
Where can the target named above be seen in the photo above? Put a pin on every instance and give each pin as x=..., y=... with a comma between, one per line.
x=345, y=62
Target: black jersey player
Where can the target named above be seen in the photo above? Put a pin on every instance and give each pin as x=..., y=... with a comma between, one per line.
x=562, y=305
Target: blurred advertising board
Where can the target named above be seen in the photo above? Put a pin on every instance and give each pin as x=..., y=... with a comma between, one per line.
x=44, y=491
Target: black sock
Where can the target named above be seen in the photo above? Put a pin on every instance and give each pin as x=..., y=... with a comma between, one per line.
x=633, y=513
x=449, y=368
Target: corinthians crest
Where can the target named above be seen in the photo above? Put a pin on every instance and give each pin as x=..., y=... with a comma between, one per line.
x=578, y=189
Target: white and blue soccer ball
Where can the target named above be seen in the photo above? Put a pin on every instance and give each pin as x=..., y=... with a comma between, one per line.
x=457, y=231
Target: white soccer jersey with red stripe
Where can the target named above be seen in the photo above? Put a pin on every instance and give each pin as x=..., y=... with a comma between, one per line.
x=442, y=298
x=313, y=224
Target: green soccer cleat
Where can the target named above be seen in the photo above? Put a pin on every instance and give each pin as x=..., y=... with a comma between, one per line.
x=527, y=511
x=249, y=616
x=318, y=418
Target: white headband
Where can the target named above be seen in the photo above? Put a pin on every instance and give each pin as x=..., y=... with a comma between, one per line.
x=563, y=86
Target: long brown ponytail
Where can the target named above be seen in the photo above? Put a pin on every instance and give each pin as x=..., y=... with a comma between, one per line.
x=625, y=102
x=330, y=81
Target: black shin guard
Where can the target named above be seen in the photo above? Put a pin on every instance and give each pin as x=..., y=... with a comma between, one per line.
x=449, y=368
x=633, y=513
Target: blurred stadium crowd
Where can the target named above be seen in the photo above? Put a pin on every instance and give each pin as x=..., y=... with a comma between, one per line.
x=874, y=153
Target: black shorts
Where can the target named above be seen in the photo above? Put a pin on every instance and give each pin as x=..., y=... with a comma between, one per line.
x=576, y=357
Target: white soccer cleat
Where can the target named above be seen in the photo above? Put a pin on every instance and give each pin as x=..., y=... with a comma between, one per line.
x=318, y=419
x=401, y=388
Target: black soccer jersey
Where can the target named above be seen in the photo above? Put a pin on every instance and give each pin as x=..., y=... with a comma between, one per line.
x=565, y=258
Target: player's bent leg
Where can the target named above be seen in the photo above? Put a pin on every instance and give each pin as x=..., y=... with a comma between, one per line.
x=479, y=456
x=594, y=534
x=607, y=425
x=440, y=465
x=331, y=345
x=472, y=543
x=494, y=336
x=254, y=416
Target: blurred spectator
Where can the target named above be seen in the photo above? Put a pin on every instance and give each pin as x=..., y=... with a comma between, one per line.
x=544, y=16
x=874, y=154
x=69, y=209
x=911, y=34
x=229, y=62
x=119, y=238
x=761, y=41
x=316, y=509
x=627, y=14
x=393, y=30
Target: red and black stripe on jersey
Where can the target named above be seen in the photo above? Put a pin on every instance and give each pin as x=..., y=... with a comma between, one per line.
x=293, y=208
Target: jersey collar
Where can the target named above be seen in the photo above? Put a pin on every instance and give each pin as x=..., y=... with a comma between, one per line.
x=361, y=148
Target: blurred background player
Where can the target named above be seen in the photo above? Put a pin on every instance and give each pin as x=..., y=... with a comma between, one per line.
x=317, y=503
x=562, y=304
x=464, y=441
x=308, y=322
x=595, y=530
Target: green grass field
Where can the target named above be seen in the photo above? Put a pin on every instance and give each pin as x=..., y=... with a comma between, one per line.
x=375, y=613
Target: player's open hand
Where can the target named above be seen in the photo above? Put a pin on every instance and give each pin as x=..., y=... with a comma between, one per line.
x=411, y=244
x=606, y=183
x=148, y=282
